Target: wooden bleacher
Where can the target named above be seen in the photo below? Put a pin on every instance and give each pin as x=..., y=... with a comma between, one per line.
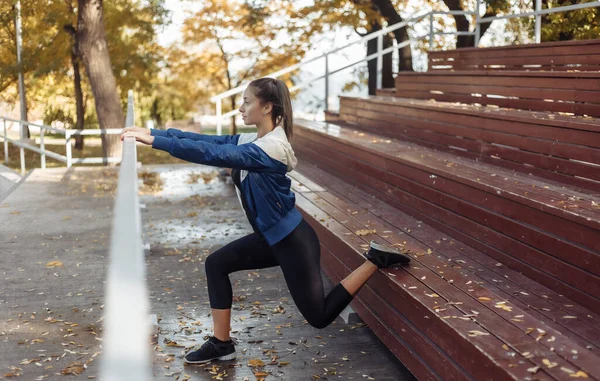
x=501, y=205
x=557, y=56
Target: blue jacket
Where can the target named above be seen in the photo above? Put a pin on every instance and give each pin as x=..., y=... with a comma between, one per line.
x=263, y=165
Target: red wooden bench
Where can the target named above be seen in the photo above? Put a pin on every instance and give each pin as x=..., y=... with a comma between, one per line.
x=577, y=93
x=556, y=56
x=492, y=177
x=454, y=313
x=559, y=148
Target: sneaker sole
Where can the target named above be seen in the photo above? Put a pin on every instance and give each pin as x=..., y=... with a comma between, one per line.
x=230, y=356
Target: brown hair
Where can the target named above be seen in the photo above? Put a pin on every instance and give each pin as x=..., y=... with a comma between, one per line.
x=275, y=91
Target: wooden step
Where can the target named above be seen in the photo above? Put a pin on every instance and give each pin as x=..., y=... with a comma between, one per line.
x=558, y=148
x=440, y=317
x=555, y=245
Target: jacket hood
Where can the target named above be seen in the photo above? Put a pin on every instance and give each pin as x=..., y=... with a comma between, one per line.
x=285, y=151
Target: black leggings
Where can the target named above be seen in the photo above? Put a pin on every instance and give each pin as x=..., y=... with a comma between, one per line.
x=298, y=254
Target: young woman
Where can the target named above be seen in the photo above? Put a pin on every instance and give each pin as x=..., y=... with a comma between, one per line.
x=281, y=236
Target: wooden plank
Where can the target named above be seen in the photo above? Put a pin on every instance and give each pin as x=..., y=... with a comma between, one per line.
x=546, y=48
x=490, y=318
x=577, y=123
x=566, y=95
x=479, y=231
x=452, y=341
x=547, y=306
x=524, y=104
x=497, y=213
x=373, y=117
x=542, y=80
x=553, y=168
x=406, y=347
x=493, y=122
x=463, y=171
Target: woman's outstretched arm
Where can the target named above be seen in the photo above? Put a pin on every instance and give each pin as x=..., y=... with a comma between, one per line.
x=214, y=139
x=247, y=156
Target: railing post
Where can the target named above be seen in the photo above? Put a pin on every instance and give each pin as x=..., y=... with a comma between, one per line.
x=42, y=131
x=431, y=31
x=538, y=22
x=326, y=82
x=219, y=116
x=379, y=60
x=477, y=23
x=5, y=143
x=22, y=156
x=130, y=118
x=68, y=148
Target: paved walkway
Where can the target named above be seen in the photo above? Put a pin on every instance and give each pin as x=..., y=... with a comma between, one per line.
x=51, y=312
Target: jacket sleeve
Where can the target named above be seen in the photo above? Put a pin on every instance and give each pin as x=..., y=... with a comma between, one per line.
x=215, y=139
x=247, y=156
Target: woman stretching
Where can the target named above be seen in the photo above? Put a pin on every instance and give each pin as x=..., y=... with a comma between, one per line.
x=281, y=236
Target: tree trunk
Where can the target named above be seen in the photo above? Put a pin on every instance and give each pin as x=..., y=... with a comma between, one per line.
x=233, y=126
x=94, y=53
x=387, y=10
x=25, y=128
x=462, y=25
x=79, y=105
x=387, y=71
x=372, y=64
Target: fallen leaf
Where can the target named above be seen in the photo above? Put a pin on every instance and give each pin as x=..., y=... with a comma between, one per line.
x=477, y=333
x=54, y=264
x=579, y=374
x=365, y=232
x=484, y=299
x=256, y=363
x=75, y=368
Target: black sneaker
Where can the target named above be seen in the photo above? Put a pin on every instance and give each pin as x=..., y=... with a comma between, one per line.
x=385, y=256
x=212, y=349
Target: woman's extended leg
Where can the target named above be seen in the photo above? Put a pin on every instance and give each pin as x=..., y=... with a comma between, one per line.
x=299, y=255
x=248, y=252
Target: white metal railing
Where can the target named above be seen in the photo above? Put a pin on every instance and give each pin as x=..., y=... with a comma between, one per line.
x=381, y=52
x=68, y=136
x=126, y=348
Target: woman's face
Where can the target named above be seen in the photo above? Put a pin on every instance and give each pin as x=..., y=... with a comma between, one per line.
x=251, y=109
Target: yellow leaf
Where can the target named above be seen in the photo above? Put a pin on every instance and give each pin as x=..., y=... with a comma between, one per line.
x=54, y=264
x=365, y=232
x=484, y=299
x=579, y=374
x=477, y=333
x=256, y=363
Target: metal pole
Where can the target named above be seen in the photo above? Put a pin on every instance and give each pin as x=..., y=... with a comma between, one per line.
x=431, y=32
x=219, y=116
x=20, y=75
x=130, y=118
x=22, y=156
x=477, y=23
x=326, y=82
x=5, y=143
x=68, y=148
x=42, y=131
x=379, y=60
x=538, y=22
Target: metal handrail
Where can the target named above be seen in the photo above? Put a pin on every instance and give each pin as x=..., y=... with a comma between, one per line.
x=126, y=353
x=381, y=52
x=68, y=157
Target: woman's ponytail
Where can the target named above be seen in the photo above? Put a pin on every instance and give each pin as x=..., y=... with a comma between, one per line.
x=287, y=118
